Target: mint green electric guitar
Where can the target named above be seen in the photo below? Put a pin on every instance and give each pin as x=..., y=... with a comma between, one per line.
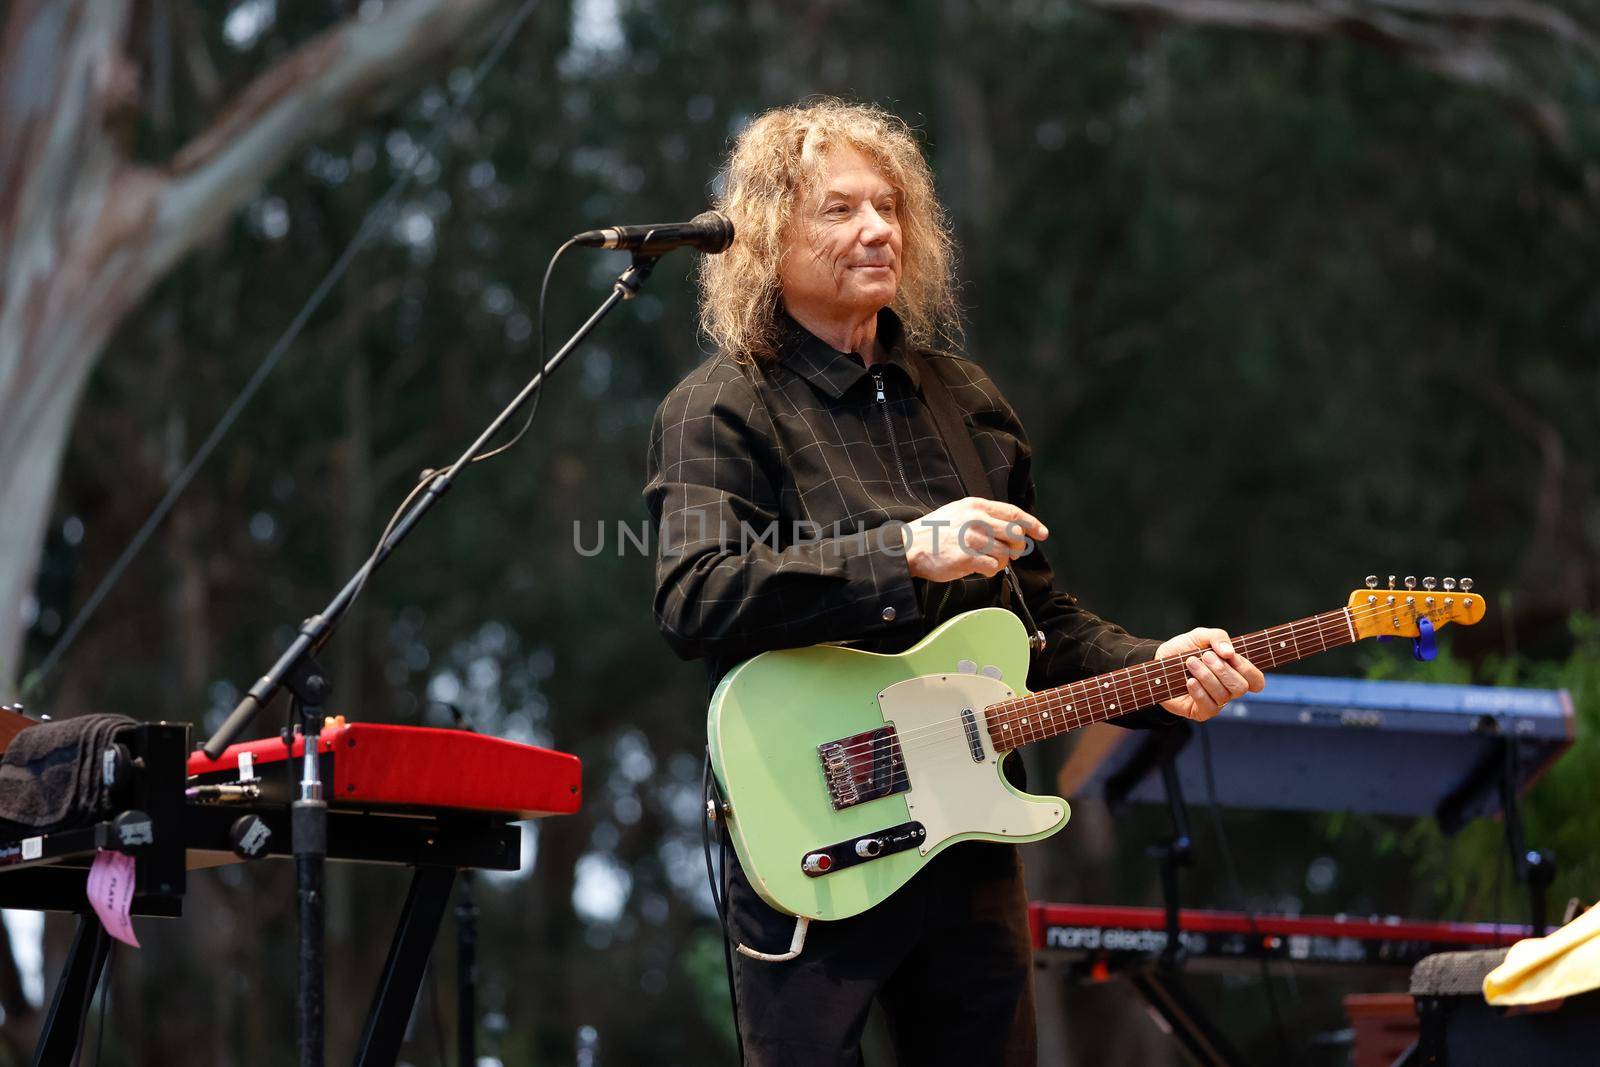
x=844, y=772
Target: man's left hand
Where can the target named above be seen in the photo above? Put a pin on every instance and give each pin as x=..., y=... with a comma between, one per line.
x=1217, y=673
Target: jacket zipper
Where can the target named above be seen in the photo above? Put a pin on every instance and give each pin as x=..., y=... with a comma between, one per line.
x=894, y=446
x=888, y=425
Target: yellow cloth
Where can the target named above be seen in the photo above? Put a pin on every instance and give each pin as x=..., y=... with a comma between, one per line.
x=1564, y=964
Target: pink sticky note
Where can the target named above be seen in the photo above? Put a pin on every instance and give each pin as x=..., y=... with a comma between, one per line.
x=111, y=893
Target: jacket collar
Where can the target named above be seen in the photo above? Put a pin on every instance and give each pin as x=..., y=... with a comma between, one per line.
x=833, y=372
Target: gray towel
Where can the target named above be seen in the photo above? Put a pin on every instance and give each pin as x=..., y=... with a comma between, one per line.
x=50, y=776
x=1455, y=974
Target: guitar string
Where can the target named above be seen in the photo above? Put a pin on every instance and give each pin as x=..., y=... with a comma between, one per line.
x=1094, y=704
x=1326, y=627
x=1083, y=703
x=1041, y=705
x=1327, y=624
x=1137, y=673
x=863, y=773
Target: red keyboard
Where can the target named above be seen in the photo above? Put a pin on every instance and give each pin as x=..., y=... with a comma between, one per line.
x=1096, y=932
x=373, y=765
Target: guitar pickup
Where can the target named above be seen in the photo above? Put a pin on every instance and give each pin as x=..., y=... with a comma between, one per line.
x=969, y=723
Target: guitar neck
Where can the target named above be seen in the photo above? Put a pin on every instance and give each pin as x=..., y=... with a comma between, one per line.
x=1014, y=723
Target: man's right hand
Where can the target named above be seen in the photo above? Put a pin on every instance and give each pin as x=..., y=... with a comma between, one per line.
x=969, y=536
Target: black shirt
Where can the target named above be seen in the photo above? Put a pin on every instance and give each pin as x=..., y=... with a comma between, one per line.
x=770, y=484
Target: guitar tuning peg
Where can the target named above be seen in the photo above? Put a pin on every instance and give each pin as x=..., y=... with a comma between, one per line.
x=1411, y=581
x=1449, y=585
x=1430, y=583
x=1466, y=585
x=1372, y=581
x=1391, y=581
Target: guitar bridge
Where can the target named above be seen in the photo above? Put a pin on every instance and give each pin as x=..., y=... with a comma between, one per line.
x=863, y=767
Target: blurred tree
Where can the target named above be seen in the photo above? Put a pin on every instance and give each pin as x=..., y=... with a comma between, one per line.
x=89, y=224
x=1480, y=44
x=88, y=228
x=1267, y=304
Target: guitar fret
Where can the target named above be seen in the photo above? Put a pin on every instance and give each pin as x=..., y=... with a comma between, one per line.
x=1023, y=720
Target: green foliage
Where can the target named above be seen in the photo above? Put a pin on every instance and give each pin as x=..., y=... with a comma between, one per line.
x=706, y=969
x=1470, y=871
x=1275, y=313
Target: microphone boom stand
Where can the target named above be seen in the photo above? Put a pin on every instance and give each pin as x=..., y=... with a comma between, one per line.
x=297, y=670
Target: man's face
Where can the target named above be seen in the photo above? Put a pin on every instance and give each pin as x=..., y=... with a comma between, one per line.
x=842, y=250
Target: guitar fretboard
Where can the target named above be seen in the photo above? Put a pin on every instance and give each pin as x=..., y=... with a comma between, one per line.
x=1014, y=723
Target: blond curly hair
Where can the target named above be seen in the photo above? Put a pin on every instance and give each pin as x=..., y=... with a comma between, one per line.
x=769, y=172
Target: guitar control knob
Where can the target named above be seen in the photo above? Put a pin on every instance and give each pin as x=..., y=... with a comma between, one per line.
x=869, y=847
x=817, y=863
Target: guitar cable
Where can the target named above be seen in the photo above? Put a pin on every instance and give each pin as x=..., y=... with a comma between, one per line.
x=1237, y=888
x=719, y=890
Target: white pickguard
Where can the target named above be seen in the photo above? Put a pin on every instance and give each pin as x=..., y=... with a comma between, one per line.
x=951, y=793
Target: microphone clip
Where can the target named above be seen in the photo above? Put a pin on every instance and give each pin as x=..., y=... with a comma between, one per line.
x=630, y=281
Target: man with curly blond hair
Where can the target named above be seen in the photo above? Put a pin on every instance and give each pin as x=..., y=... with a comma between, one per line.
x=803, y=493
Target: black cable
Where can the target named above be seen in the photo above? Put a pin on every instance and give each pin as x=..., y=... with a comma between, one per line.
x=533, y=410
x=438, y=1016
x=1237, y=888
x=103, y=985
x=719, y=890
x=105, y=1000
x=370, y=224
x=1499, y=898
x=429, y=474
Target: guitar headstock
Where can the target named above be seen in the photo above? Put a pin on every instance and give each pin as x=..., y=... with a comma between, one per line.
x=1394, y=612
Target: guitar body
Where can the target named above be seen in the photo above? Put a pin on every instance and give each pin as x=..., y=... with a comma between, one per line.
x=913, y=770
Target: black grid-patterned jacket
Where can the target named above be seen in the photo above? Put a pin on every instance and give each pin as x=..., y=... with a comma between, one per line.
x=768, y=484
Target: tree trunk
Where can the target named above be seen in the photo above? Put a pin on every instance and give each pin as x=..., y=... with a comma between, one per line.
x=87, y=232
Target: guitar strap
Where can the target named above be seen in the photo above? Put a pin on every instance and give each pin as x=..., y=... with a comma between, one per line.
x=974, y=479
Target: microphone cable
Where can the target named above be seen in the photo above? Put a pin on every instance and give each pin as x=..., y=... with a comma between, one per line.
x=429, y=473
x=280, y=347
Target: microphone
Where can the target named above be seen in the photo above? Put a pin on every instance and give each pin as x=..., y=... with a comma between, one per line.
x=709, y=231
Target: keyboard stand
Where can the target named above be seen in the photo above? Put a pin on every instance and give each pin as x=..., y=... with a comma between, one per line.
x=63, y=1027
x=1162, y=990
x=1161, y=985
x=44, y=888
x=396, y=995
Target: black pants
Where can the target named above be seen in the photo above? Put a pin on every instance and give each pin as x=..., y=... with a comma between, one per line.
x=949, y=956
